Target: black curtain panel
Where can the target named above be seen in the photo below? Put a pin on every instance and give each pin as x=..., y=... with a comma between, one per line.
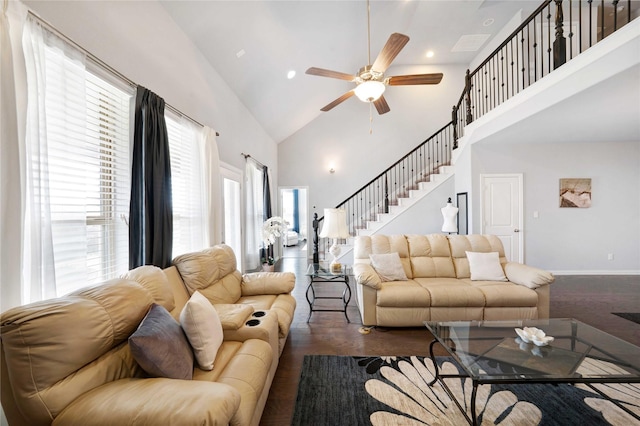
x=266, y=194
x=296, y=212
x=151, y=207
x=266, y=202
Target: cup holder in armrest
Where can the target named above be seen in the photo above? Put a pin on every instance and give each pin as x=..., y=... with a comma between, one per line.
x=258, y=314
x=252, y=322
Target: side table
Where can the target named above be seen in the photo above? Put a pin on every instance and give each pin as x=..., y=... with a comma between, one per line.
x=319, y=273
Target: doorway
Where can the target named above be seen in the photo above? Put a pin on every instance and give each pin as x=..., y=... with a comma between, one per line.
x=501, y=208
x=294, y=208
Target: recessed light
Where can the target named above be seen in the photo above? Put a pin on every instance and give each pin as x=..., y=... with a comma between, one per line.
x=291, y=74
x=430, y=54
x=488, y=22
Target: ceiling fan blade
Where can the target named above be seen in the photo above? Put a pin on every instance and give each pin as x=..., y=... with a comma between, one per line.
x=338, y=101
x=328, y=73
x=408, y=80
x=389, y=52
x=381, y=105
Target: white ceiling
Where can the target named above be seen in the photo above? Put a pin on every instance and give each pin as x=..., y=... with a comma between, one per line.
x=278, y=36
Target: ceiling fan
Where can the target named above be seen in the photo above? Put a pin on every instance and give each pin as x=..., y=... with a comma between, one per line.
x=370, y=79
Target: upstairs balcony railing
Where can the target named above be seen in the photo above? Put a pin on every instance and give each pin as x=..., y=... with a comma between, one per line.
x=556, y=32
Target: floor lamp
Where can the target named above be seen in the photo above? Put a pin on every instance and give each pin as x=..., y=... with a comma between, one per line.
x=335, y=226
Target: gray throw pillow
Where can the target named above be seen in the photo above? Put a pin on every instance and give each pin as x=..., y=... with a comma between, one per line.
x=160, y=346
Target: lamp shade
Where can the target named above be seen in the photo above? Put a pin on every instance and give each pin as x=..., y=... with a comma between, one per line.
x=369, y=91
x=335, y=224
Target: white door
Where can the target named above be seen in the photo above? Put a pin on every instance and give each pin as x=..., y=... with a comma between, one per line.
x=502, y=211
x=232, y=217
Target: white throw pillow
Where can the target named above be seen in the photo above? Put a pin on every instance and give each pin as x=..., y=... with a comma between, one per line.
x=388, y=266
x=201, y=323
x=485, y=266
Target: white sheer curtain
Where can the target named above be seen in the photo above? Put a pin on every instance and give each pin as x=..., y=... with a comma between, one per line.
x=43, y=60
x=10, y=176
x=253, y=212
x=212, y=186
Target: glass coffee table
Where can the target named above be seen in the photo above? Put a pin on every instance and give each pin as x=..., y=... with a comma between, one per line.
x=490, y=352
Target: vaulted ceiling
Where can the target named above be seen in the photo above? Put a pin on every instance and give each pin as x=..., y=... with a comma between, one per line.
x=254, y=45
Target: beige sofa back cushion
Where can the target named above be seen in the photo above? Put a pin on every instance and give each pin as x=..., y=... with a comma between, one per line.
x=383, y=244
x=430, y=256
x=153, y=279
x=51, y=347
x=213, y=272
x=460, y=244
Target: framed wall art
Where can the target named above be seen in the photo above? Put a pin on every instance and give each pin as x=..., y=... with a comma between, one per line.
x=575, y=192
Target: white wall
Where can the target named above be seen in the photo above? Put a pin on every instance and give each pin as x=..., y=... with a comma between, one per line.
x=341, y=136
x=140, y=40
x=573, y=240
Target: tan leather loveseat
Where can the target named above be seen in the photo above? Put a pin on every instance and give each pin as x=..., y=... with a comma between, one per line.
x=439, y=285
x=67, y=361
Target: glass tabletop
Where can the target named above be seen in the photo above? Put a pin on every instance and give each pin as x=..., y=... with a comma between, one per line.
x=492, y=351
x=324, y=270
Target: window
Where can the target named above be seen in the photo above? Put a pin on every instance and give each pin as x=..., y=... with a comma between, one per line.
x=78, y=168
x=189, y=209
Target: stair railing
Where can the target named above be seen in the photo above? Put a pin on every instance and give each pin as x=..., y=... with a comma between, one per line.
x=526, y=56
x=539, y=46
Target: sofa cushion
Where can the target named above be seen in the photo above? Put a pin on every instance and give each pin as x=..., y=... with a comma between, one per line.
x=153, y=279
x=460, y=244
x=430, y=256
x=200, y=322
x=388, y=266
x=160, y=346
x=402, y=294
x=505, y=294
x=212, y=272
x=452, y=292
x=485, y=266
x=382, y=244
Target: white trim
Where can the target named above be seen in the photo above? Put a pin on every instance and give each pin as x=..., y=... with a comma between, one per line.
x=598, y=272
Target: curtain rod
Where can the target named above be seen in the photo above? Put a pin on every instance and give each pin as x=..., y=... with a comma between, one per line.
x=103, y=64
x=249, y=156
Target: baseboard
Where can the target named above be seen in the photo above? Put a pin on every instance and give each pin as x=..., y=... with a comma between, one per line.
x=597, y=272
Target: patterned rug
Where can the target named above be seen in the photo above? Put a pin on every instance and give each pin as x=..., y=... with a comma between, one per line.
x=629, y=316
x=343, y=390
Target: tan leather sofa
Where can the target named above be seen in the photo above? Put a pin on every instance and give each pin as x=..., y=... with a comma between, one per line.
x=67, y=361
x=439, y=286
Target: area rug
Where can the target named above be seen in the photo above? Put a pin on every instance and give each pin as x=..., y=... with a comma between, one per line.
x=343, y=390
x=629, y=316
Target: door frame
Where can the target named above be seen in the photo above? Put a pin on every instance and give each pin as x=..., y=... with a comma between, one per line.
x=520, y=178
x=280, y=207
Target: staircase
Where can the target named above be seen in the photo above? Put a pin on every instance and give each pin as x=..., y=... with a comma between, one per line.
x=405, y=202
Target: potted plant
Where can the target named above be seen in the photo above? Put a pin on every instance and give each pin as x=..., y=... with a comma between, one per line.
x=268, y=264
x=272, y=229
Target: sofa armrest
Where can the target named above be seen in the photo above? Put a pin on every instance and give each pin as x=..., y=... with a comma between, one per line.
x=527, y=276
x=257, y=283
x=366, y=275
x=153, y=402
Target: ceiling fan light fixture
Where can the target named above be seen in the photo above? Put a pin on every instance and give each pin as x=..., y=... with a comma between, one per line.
x=369, y=91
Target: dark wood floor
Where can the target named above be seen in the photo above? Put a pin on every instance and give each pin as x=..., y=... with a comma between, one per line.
x=590, y=299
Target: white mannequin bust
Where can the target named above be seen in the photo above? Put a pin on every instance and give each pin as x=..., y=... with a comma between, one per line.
x=449, y=213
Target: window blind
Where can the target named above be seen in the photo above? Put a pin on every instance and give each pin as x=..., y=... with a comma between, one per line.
x=187, y=182
x=86, y=168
